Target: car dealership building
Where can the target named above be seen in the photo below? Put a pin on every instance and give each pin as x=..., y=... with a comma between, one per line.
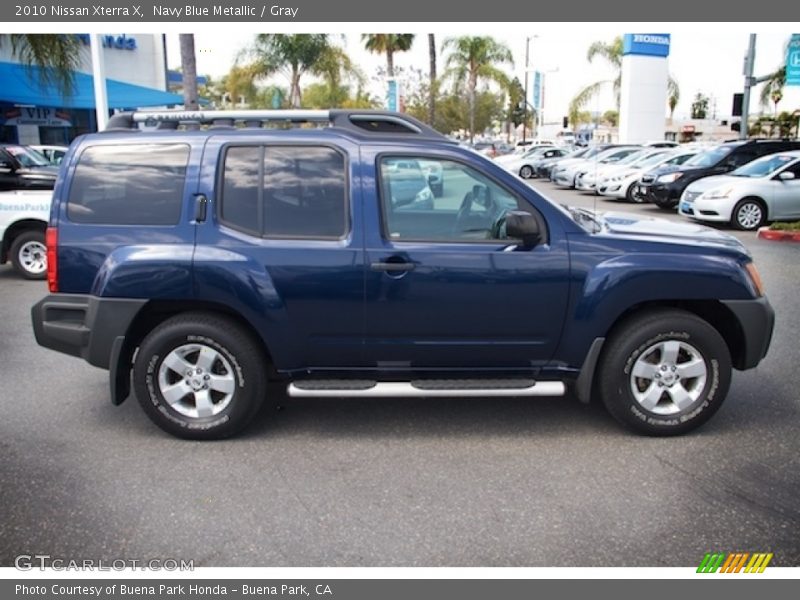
x=33, y=111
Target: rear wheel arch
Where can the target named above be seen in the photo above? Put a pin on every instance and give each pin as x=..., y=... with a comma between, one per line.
x=153, y=314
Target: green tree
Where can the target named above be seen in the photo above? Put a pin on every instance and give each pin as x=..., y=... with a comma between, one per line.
x=388, y=43
x=673, y=95
x=58, y=56
x=471, y=59
x=611, y=117
x=700, y=106
x=293, y=55
x=516, y=112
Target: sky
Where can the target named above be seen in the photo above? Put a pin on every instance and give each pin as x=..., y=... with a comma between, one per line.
x=705, y=58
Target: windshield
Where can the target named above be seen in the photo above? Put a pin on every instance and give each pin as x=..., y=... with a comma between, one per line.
x=27, y=156
x=652, y=159
x=536, y=151
x=764, y=166
x=710, y=157
x=633, y=157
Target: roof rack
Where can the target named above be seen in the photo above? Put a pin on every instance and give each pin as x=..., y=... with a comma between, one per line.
x=360, y=122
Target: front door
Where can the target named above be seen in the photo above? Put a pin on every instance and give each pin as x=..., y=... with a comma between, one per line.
x=446, y=289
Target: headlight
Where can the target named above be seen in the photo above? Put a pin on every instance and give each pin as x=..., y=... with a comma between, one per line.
x=669, y=177
x=717, y=194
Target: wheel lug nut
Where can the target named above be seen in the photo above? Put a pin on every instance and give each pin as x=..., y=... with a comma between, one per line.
x=199, y=370
x=206, y=377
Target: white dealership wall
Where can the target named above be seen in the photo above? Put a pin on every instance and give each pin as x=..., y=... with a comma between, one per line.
x=643, y=89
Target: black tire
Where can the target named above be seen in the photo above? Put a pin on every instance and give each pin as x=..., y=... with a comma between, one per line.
x=630, y=196
x=668, y=205
x=438, y=190
x=240, y=364
x=526, y=172
x=29, y=254
x=642, y=343
x=749, y=214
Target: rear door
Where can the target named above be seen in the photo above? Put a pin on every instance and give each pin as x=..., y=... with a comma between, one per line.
x=280, y=241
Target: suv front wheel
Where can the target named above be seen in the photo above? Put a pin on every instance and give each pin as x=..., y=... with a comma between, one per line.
x=664, y=372
x=200, y=376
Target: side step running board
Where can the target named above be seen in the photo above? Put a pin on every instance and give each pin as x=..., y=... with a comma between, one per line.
x=424, y=388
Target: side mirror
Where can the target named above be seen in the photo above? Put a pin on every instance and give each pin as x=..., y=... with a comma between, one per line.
x=523, y=226
x=786, y=176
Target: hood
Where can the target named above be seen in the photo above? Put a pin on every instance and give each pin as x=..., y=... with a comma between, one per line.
x=662, y=230
x=707, y=183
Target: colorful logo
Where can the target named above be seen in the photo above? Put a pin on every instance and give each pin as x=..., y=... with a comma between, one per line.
x=734, y=562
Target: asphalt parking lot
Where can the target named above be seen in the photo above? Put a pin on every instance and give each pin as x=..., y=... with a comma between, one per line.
x=411, y=482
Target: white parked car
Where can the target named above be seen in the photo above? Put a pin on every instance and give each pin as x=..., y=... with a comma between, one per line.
x=766, y=189
x=567, y=177
x=620, y=184
x=588, y=180
x=523, y=166
x=23, y=219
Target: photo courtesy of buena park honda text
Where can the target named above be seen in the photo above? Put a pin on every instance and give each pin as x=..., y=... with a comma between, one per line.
x=398, y=300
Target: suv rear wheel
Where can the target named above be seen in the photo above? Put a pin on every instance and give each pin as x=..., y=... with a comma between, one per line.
x=200, y=376
x=664, y=372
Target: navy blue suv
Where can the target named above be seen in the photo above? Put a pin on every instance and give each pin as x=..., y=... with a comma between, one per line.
x=202, y=255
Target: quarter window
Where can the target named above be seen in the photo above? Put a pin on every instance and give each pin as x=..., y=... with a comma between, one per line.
x=284, y=191
x=132, y=184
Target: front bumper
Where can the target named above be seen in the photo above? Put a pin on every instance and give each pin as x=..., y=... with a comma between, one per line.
x=84, y=326
x=756, y=320
x=716, y=211
x=656, y=193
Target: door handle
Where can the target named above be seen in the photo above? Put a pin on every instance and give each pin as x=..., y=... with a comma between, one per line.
x=200, y=207
x=392, y=267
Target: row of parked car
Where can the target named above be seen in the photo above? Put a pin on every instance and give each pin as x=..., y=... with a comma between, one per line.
x=743, y=183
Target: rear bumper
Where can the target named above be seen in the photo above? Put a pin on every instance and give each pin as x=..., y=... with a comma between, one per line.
x=756, y=319
x=83, y=326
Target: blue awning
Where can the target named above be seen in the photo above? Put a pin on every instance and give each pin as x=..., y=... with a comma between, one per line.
x=21, y=85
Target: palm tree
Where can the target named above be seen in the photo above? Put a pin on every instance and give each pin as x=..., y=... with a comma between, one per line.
x=58, y=56
x=673, y=96
x=612, y=53
x=388, y=43
x=773, y=88
x=290, y=54
x=432, y=78
x=189, y=71
x=473, y=58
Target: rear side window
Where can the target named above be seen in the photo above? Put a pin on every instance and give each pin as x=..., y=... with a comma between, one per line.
x=136, y=184
x=285, y=191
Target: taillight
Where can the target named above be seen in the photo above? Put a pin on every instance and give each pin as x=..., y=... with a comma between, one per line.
x=51, y=240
